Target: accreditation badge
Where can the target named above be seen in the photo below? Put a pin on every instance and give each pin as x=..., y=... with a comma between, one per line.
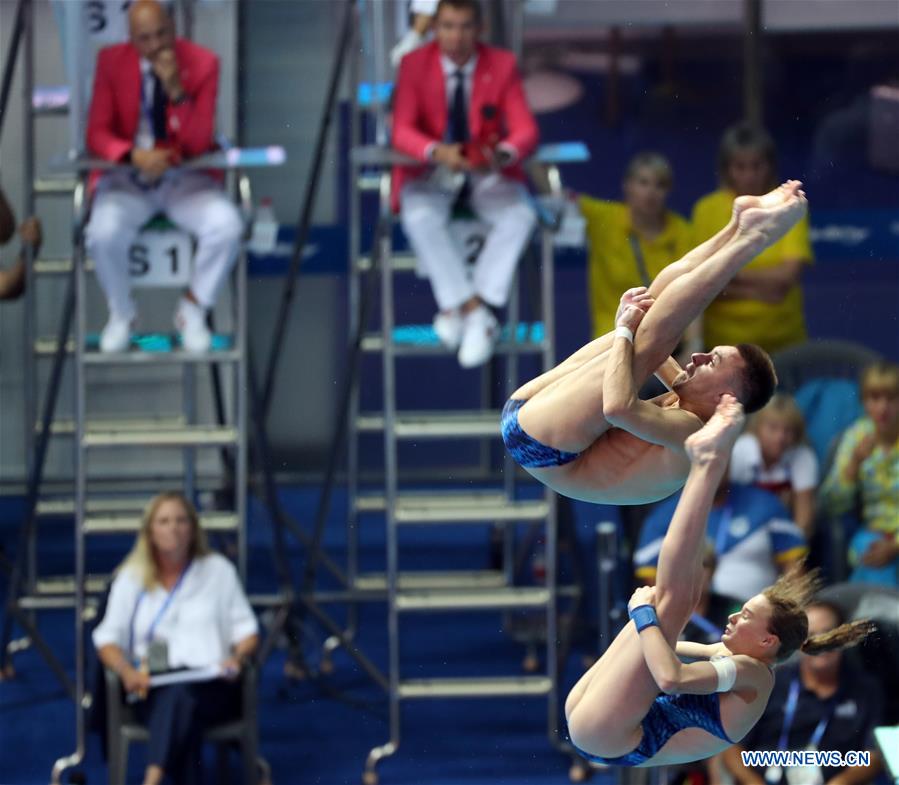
x=158, y=656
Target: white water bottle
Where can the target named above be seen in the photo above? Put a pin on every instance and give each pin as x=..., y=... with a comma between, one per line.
x=264, y=237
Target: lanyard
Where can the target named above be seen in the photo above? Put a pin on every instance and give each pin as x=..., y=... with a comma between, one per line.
x=159, y=613
x=638, y=258
x=790, y=714
x=723, y=528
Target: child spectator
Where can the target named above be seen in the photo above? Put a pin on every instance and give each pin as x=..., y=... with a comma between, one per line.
x=866, y=469
x=772, y=455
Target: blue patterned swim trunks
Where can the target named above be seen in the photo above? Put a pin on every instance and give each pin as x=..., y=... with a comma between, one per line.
x=527, y=451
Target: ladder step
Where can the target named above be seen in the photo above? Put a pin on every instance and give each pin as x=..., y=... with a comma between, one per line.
x=419, y=512
x=66, y=507
x=130, y=524
x=59, y=593
x=373, y=343
x=400, y=262
x=457, y=579
x=188, y=436
x=65, y=585
x=55, y=186
x=63, y=427
x=46, y=347
x=163, y=357
x=146, y=349
x=376, y=502
x=435, y=425
x=473, y=599
x=61, y=602
x=58, y=266
x=475, y=687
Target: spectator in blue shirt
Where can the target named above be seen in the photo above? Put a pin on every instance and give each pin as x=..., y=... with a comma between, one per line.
x=752, y=533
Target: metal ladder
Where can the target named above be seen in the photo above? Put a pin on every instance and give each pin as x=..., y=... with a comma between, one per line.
x=100, y=516
x=104, y=514
x=419, y=591
x=44, y=273
x=445, y=592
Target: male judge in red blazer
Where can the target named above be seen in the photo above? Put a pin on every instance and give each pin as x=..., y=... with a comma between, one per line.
x=461, y=110
x=153, y=106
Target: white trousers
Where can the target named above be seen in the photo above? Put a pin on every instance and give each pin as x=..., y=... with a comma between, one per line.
x=193, y=201
x=497, y=201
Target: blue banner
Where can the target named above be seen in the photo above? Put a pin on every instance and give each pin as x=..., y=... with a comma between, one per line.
x=838, y=236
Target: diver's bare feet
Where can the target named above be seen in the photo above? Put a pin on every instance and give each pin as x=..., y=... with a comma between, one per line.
x=638, y=296
x=769, y=224
x=771, y=199
x=714, y=441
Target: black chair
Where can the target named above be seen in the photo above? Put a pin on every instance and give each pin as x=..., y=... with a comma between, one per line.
x=824, y=359
x=880, y=652
x=122, y=728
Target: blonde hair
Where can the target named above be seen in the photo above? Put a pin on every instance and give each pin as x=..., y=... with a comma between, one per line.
x=657, y=163
x=880, y=377
x=140, y=558
x=789, y=598
x=785, y=406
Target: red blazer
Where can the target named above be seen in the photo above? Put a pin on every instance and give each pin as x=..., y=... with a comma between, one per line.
x=420, y=110
x=116, y=102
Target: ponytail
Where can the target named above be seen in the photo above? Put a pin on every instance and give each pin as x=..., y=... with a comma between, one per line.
x=842, y=637
x=793, y=593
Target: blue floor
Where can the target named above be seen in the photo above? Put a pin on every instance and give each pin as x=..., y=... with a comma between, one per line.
x=320, y=731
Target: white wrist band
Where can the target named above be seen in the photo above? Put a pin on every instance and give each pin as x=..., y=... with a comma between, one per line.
x=624, y=332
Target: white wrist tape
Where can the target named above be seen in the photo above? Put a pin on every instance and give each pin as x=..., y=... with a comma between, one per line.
x=726, y=669
x=624, y=332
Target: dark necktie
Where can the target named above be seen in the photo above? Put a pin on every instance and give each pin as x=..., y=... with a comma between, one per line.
x=459, y=117
x=159, y=104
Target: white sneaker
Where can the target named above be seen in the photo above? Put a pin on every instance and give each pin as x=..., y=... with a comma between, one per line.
x=116, y=335
x=479, y=336
x=190, y=321
x=448, y=326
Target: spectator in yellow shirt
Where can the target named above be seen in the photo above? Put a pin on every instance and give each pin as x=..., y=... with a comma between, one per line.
x=763, y=303
x=631, y=241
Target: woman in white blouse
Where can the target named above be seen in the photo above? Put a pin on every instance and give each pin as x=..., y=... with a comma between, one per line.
x=174, y=604
x=772, y=454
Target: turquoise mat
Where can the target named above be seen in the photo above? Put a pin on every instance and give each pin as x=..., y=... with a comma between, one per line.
x=424, y=335
x=160, y=342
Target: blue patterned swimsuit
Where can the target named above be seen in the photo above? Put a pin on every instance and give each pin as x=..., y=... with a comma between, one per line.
x=527, y=451
x=668, y=715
